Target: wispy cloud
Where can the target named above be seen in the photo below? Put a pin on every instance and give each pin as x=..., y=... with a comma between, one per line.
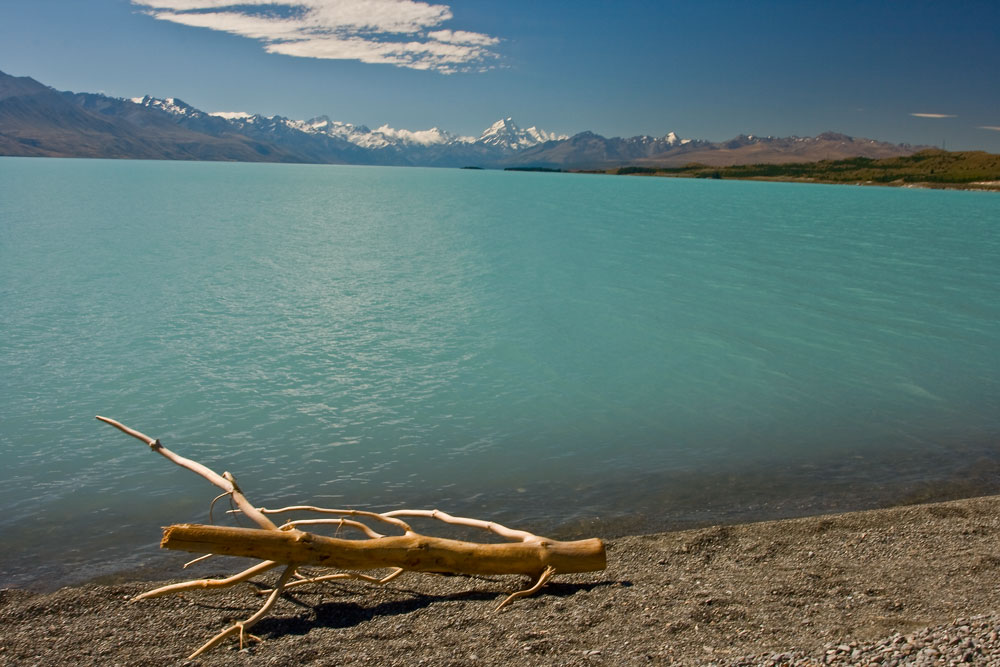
x=995, y=128
x=404, y=33
x=934, y=115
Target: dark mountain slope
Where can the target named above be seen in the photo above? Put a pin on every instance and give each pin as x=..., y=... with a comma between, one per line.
x=38, y=121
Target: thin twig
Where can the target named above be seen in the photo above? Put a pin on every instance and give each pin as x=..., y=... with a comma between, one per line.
x=344, y=575
x=212, y=506
x=496, y=528
x=338, y=522
x=545, y=576
x=228, y=485
x=243, y=626
x=387, y=517
x=196, y=560
x=263, y=566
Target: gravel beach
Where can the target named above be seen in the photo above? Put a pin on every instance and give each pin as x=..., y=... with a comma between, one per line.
x=914, y=585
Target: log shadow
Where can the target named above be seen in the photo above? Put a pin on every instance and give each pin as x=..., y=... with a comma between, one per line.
x=347, y=614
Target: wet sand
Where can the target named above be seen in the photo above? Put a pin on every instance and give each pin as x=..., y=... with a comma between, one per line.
x=905, y=585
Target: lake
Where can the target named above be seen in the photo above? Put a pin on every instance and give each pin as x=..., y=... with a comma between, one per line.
x=573, y=354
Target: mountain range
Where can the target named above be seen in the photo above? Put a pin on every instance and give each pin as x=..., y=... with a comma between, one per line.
x=39, y=121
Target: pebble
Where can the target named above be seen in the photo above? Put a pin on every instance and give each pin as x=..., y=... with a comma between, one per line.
x=966, y=641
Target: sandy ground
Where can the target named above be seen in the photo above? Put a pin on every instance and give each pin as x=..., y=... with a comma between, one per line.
x=803, y=591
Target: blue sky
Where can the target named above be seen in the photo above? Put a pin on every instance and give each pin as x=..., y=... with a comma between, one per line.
x=707, y=70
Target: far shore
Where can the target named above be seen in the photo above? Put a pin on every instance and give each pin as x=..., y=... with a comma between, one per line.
x=978, y=186
x=984, y=186
x=930, y=168
x=830, y=589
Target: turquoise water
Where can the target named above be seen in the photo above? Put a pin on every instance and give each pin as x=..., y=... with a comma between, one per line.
x=577, y=354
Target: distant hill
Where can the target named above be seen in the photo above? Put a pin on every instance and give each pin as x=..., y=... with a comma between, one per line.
x=930, y=167
x=36, y=120
x=589, y=151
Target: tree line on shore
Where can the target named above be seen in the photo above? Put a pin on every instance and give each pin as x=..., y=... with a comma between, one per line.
x=947, y=168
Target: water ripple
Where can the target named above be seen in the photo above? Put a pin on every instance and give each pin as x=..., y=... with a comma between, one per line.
x=548, y=350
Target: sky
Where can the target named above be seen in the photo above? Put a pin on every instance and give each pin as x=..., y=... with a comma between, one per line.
x=917, y=72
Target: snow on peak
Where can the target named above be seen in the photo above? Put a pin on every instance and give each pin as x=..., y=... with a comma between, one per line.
x=506, y=134
x=422, y=137
x=231, y=115
x=171, y=105
x=319, y=123
x=503, y=125
x=502, y=134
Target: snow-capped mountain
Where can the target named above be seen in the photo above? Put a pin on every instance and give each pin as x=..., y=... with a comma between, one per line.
x=40, y=121
x=382, y=137
x=360, y=144
x=672, y=139
x=505, y=134
x=170, y=105
x=392, y=144
x=503, y=143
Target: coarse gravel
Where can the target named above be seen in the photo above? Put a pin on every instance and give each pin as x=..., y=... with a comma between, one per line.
x=915, y=585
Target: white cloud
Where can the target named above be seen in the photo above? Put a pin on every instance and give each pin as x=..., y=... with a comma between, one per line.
x=447, y=58
x=394, y=32
x=934, y=115
x=463, y=37
x=995, y=128
x=239, y=24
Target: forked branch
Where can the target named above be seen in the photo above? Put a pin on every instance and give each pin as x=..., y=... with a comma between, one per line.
x=524, y=553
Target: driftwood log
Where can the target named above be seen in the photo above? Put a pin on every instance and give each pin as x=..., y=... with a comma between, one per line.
x=290, y=547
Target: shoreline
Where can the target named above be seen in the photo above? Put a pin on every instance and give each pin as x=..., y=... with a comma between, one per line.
x=664, y=504
x=812, y=588
x=983, y=186
x=925, y=169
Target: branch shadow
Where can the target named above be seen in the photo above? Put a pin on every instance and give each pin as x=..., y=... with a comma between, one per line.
x=340, y=614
